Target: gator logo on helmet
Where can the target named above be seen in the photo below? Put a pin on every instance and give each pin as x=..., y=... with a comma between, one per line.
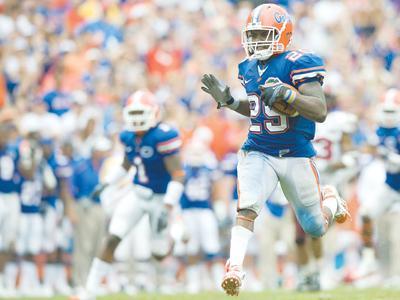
x=280, y=18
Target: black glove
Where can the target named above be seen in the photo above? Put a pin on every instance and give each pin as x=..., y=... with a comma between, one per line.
x=270, y=93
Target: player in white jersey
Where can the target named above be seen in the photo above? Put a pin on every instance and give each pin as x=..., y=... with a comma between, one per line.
x=336, y=160
x=332, y=141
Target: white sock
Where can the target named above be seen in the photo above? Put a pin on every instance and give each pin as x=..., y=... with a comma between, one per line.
x=193, y=278
x=50, y=274
x=217, y=270
x=61, y=276
x=98, y=270
x=29, y=276
x=331, y=204
x=10, y=273
x=240, y=237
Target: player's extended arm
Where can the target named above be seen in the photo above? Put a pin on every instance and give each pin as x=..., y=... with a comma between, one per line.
x=222, y=95
x=309, y=101
x=173, y=164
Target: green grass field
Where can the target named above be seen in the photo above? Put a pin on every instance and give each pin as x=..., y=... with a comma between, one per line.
x=340, y=294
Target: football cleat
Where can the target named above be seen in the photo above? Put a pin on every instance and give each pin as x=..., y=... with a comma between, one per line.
x=342, y=212
x=232, y=280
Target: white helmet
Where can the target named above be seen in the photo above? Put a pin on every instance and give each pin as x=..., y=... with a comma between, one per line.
x=141, y=111
x=197, y=151
x=389, y=109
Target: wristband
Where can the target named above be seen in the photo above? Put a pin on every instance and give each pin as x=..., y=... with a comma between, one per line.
x=290, y=96
x=233, y=103
x=173, y=193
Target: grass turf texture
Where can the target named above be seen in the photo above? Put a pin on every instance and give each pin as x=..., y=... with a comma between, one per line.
x=340, y=294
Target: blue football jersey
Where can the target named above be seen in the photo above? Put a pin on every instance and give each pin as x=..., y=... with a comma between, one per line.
x=198, y=186
x=147, y=152
x=271, y=132
x=389, y=138
x=62, y=170
x=84, y=179
x=31, y=193
x=10, y=179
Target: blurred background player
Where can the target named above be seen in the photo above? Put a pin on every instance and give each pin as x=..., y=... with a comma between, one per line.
x=89, y=231
x=201, y=174
x=10, y=180
x=153, y=148
x=37, y=177
x=270, y=146
x=388, y=149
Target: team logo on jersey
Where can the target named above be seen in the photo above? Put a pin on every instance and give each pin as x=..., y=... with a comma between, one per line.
x=272, y=81
x=146, y=152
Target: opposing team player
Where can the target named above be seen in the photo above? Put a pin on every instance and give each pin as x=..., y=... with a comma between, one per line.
x=388, y=149
x=153, y=148
x=196, y=203
x=278, y=147
x=336, y=163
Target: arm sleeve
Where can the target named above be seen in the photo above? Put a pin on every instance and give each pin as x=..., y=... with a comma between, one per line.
x=169, y=142
x=306, y=68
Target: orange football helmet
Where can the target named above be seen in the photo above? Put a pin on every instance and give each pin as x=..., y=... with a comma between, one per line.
x=268, y=31
x=141, y=111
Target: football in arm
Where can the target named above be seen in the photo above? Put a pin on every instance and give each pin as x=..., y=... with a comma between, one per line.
x=285, y=108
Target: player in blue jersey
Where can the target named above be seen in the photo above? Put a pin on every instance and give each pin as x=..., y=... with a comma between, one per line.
x=153, y=148
x=9, y=202
x=36, y=176
x=278, y=147
x=388, y=149
x=52, y=213
x=197, y=208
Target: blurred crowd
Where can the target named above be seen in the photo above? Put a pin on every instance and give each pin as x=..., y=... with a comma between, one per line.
x=68, y=66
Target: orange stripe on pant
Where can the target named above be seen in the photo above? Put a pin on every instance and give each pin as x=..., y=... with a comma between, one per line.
x=315, y=172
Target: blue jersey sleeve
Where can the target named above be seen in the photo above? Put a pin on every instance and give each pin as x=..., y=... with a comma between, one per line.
x=168, y=140
x=305, y=67
x=126, y=137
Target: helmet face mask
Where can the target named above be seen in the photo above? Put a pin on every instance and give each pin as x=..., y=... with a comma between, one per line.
x=261, y=42
x=389, y=117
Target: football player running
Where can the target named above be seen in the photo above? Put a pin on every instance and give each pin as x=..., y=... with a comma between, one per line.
x=153, y=148
x=278, y=147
